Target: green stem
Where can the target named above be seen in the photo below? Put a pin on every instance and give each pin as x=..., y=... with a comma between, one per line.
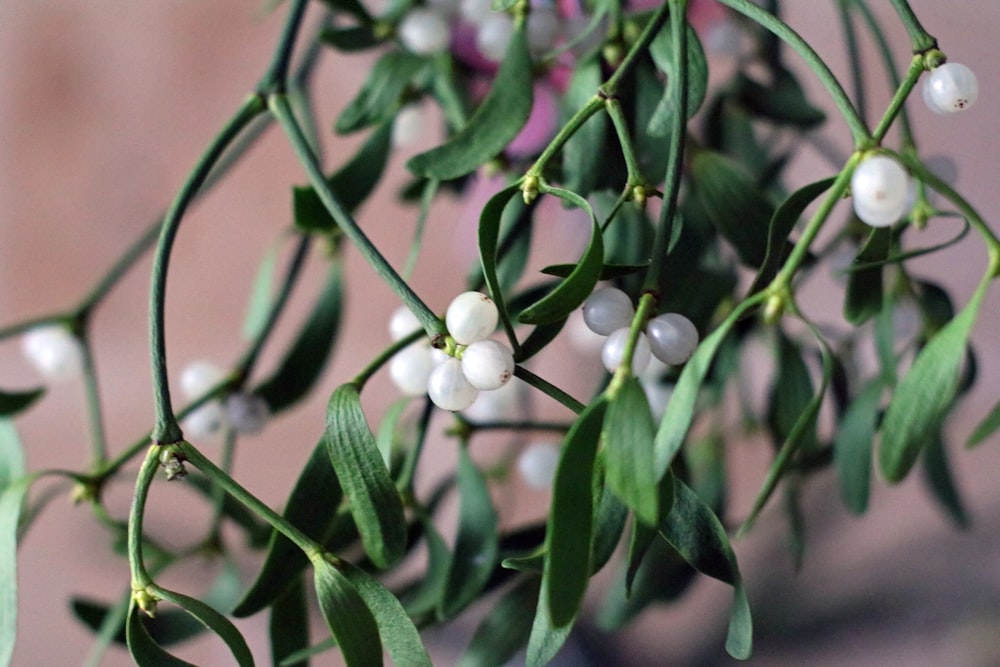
x=218, y=492
x=408, y=473
x=548, y=388
x=633, y=172
x=647, y=302
x=166, y=429
x=275, y=77
x=896, y=105
x=636, y=50
x=853, y=57
x=856, y=124
x=283, y=113
x=921, y=40
x=95, y=416
x=140, y=576
x=593, y=105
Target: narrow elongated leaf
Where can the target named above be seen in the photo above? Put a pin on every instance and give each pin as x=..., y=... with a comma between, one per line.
x=398, y=633
x=499, y=118
x=922, y=397
x=569, y=536
x=145, y=651
x=661, y=50
x=306, y=358
x=350, y=38
x=215, y=622
x=791, y=391
x=288, y=625
x=312, y=508
x=261, y=294
x=987, y=427
x=348, y=617
x=782, y=102
x=698, y=535
x=381, y=92
x=578, y=285
x=375, y=502
x=426, y=597
x=584, y=153
x=852, y=447
x=506, y=628
x=940, y=481
x=609, y=522
x=13, y=402
x=476, y=545
x=628, y=452
x=546, y=638
x=864, y=286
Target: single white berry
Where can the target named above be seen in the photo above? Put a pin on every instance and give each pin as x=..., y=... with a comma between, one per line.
x=607, y=310
x=880, y=189
x=204, y=421
x=950, y=87
x=411, y=368
x=493, y=36
x=471, y=316
x=448, y=387
x=488, y=364
x=474, y=11
x=55, y=352
x=672, y=338
x=200, y=377
x=402, y=323
x=537, y=464
x=581, y=337
x=424, y=31
x=507, y=402
x=408, y=126
x=614, y=350
x=543, y=29
x=247, y=413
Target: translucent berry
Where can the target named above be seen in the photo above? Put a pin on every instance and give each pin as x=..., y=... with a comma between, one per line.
x=608, y=309
x=537, y=464
x=247, y=413
x=507, y=402
x=448, y=387
x=424, y=31
x=488, y=364
x=474, y=11
x=408, y=126
x=879, y=189
x=471, y=316
x=411, y=368
x=54, y=352
x=402, y=323
x=672, y=338
x=614, y=350
x=200, y=377
x=493, y=36
x=950, y=87
x=543, y=29
x=205, y=421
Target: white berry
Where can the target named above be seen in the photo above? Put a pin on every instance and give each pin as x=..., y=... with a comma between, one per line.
x=608, y=309
x=200, y=377
x=474, y=11
x=424, y=31
x=488, y=364
x=448, y=387
x=672, y=338
x=543, y=30
x=537, y=464
x=493, y=36
x=55, y=352
x=204, y=421
x=879, y=188
x=950, y=87
x=247, y=413
x=471, y=316
x=402, y=323
x=614, y=350
x=507, y=402
x=411, y=368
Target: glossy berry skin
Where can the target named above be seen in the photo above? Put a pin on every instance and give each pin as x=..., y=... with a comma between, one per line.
x=488, y=364
x=205, y=421
x=607, y=310
x=200, y=377
x=54, y=352
x=402, y=323
x=614, y=350
x=448, y=387
x=424, y=31
x=537, y=464
x=471, y=316
x=950, y=87
x=673, y=338
x=880, y=190
x=410, y=368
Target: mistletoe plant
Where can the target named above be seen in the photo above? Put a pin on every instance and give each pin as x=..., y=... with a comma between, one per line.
x=696, y=250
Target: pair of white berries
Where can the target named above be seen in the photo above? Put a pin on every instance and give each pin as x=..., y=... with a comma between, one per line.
x=670, y=337
x=246, y=414
x=453, y=382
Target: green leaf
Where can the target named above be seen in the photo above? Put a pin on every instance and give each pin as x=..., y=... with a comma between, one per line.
x=145, y=651
x=311, y=508
x=15, y=488
x=698, y=535
x=501, y=5
x=348, y=617
x=546, y=638
x=261, y=295
x=661, y=50
x=214, y=621
x=350, y=38
x=628, y=451
x=852, y=447
x=489, y=240
x=791, y=391
x=940, y=481
x=864, y=286
x=609, y=522
x=398, y=633
x=782, y=102
x=585, y=154
x=288, y=625
x=987, y=427
x=426, y=596
x=608, y=271
x=506, y=628
x=569, y=536
x=476, y=544
x=494, y=124
x=577, y=286
x=380, y=94
x=352, y=184
x=306, y=358
x=13, y=402
x=375, y=502
x=922, y=398
x=733, y=203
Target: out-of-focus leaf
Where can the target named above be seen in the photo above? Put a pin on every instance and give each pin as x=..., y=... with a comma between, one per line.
x=306, y=358
x=545, y=639
x=379, y=97
x=987, y=427
x=258, y=533
x=864, y=286
x=661, y=50
x=584, y=153
x=791, y=391
x=495, y=123
x=941, y=482
x=261, y=294
x=699, y=537
x=628, y=451
x=288, y=625
x=852, y=447
x=426, y=597
x=476, y=546
x=215, y=622
x=506, y=628
x=348, y=617
x=351, y=38
x=13, y=402
x=922, y=398
x=782, y=102
x=375, y=502
x=14, y=487
x=352, y=7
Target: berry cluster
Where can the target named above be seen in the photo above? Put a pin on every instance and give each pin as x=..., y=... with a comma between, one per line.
x=670, y=337
x=477, y=363
x=244, y=413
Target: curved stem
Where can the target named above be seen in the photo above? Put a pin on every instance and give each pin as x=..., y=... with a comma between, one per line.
x=853, y=57
x=633, y=172
x=95, y=416
x=636, y=50
x=276, y=76
x=548, y=388
x=920, y=39
x=140, y=576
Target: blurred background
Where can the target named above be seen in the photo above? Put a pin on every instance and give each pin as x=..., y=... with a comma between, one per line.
x=105, y=106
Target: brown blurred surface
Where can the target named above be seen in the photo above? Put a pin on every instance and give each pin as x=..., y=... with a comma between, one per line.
x=105, y=106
